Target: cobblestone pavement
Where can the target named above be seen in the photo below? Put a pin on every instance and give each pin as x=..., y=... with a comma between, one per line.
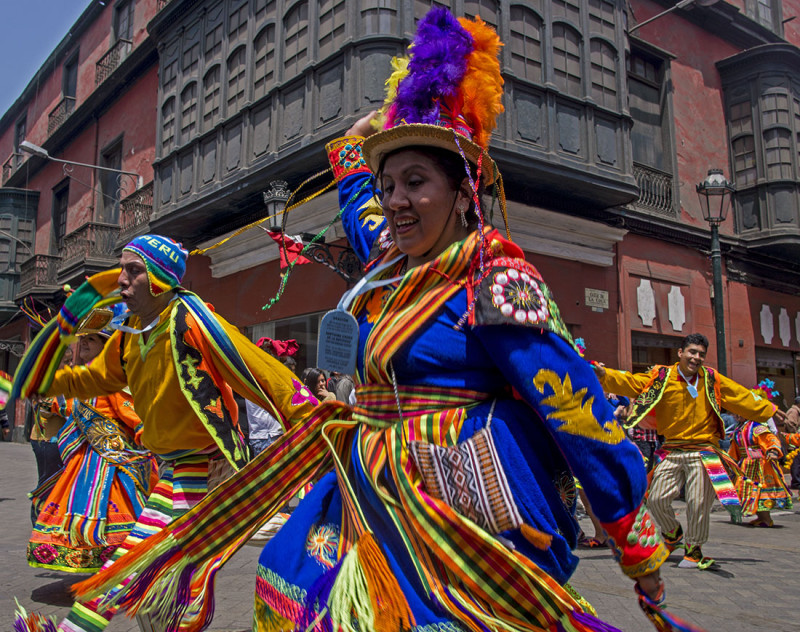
x=753, y=564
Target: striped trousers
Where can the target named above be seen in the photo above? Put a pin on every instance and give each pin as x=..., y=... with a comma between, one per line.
x=181, y=485
x=677, y=469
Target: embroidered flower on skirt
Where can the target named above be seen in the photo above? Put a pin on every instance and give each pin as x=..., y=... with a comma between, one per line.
x=322, y=544
x=517, y=295
x=302, y=395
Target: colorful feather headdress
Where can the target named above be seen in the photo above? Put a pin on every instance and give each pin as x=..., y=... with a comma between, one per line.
x=765, y=388
x=447, y=94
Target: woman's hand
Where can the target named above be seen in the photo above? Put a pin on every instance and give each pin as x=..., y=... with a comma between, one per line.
x=363, y=126
x=651, y=585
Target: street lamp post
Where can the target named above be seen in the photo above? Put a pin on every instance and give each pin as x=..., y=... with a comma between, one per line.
x=35, y=150
x=715, y=197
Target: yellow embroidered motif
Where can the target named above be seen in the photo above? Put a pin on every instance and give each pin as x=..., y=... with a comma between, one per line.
x=573, y=410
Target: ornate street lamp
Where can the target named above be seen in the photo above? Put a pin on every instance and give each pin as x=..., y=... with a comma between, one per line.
x=341, y=259
x=715, y=194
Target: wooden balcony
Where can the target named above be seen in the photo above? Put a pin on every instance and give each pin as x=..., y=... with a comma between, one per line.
x=38, y=274
x=655, y=191
x=87, y=250
x=135, y=212
x=108, y=63
x=60, y=113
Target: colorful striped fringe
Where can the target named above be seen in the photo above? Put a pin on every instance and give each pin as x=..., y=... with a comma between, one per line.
x=662, y=620
x=40, y=362
x=170, y=576
x=723, y=487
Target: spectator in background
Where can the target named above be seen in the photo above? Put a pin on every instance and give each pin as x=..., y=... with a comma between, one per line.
x=791, y=425
x=342, y=386
x=49, y=416
x=315, y=381
x=6, y=430
x=264, y=428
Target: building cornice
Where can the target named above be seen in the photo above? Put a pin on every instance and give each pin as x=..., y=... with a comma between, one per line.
x=65, y=47
x=130, y=70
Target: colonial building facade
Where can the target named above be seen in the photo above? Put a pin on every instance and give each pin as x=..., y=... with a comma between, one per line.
x=608, y=129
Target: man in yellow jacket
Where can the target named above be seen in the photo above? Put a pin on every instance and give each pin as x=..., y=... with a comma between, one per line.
x=687, y=399
x=181, y=363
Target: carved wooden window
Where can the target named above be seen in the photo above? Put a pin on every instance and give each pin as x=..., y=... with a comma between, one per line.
x=740, y=121
x=567, y=59
x=211, y=98
x=264, y=10
x=486, y=9
x=295, y=33
x=604, y=74
x=331, y=26
x=602, y=18
x=168, y=126
x=188, y=112
x=421, y=7
x=526, y=44
x=191, y=58
x=110, y=183
x=776, y=118
x=567, y=9
x=379, y=16
x=60, y=210
x=213, y=45
x=650, y=133
x=169, y=75
x=264, y=61
x=236, y=80
x=237, y=25
x=123, y=21
x=778, y=153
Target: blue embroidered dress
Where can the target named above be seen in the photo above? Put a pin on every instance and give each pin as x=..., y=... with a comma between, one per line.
x=549, y=421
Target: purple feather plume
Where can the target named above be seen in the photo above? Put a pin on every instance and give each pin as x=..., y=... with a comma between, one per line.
x=437, y=67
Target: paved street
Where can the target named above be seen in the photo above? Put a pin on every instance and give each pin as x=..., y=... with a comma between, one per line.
x=753, y=564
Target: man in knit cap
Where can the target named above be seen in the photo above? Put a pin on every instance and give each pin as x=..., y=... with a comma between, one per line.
x=181, y=363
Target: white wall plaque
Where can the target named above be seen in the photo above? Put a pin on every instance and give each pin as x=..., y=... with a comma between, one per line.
x=677, y=308
x=767, y=324
x=646, y=302
x=784, y=327
x=596, y=299
x=797, y=326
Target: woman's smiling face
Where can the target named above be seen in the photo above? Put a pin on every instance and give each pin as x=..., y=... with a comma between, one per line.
x=421, y=206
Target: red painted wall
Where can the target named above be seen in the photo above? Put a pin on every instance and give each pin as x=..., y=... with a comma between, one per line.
x=701, y=137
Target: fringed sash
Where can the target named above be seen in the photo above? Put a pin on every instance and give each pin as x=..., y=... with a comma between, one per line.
x=717, y=465
x=475, y=578
x=193, y=548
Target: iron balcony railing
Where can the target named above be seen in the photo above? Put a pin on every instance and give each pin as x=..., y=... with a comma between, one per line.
x=11, y=164
x=655, y=190
x=108, y=63
x=40, y=271
x=135, y=211
x=60, y=114
x=93, y=240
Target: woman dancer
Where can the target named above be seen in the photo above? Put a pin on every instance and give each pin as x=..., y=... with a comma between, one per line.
x=102, y=488
x=458, y=341
x=450, y=504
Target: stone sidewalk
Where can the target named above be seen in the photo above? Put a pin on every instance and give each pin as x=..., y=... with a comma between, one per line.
x=755, y=566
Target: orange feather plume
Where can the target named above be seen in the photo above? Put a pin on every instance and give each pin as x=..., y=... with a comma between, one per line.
x=482, y=86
